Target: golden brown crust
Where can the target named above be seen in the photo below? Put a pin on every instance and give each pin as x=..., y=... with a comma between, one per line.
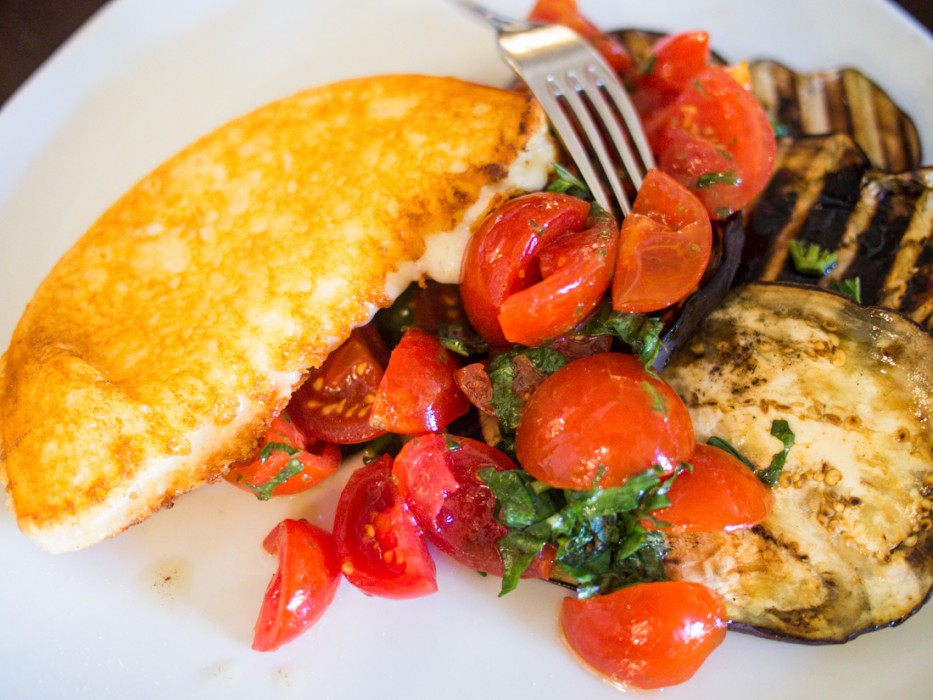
x=161, y=345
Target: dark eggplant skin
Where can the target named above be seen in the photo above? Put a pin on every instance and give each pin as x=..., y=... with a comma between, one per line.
x=848, y=547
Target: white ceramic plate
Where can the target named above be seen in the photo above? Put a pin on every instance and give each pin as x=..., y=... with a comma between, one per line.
x=166, y=610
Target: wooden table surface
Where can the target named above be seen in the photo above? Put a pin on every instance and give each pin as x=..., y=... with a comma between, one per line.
x=30, y=30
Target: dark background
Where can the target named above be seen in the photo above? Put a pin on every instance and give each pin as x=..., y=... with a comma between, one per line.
x=31, y=29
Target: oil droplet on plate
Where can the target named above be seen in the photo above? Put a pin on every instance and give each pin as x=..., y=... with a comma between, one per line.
x=168, y=580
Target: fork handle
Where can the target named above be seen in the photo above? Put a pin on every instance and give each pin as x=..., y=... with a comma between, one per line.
x=500, y=22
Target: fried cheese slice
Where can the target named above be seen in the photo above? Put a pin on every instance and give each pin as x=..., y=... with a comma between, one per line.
x=161, y=346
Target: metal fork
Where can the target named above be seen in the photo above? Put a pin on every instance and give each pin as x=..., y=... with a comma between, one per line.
x=583, y=99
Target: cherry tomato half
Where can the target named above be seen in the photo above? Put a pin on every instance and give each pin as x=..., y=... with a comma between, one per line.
x=664, y=247
x=381, y=549
x=503, y=258
x=437, y=476
x=716, y=140
x=646, y=636
x=303, y=585
x=576, y=269
x=719, y=494
x=600, y=419
x=567, y=13
x=418, y=392
x=287, y=462
x=334, y=402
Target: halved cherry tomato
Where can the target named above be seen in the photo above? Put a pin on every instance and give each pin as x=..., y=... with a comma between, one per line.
x=287, y=463
x=716, y=140
x=437, y=476
x=418, y=392
x=576, y=269
x=646, y=636
x=664, y=247
x=567, y=13
x=381, y=549
x=334, y=402
x=719, y=494
x=303, y=585
x=500, y=258
x=600, y=419
x=503, y=259
x=671, y=66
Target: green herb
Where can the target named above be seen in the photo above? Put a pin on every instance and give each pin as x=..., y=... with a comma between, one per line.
x=461, y=344
x=506, y=402
x=811, y=259
x=640, y=332
x=779, y=429
x=567, y=182
x=727, y=177
x=780, y=130
x=387, y=443
x=851, y=287
x=598, y=535
x=264, y=491
x=658, y=402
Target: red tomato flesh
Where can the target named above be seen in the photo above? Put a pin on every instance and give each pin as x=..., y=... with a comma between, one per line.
x=288, y=462
x=437, y=477
x=716, y=140
x=335, y=400
x=600, y=419
x=664, y=247
x=576, y=269
x=303, y=585
x=501, y=257
x=418, y=392
x=720, y=494
x=646, y=636
x=673, y=63
x=381, y=549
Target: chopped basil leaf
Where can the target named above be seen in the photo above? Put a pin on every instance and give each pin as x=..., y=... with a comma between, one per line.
x=387, y=443
x=506, y=401
x=811, y=259
x=598, y=535
x=264, y=491
x=728, y=177
x=780, y=130
x=779, y=429
x=567, y=182
x=640, y=332
x=851, y=287
x=648, y=64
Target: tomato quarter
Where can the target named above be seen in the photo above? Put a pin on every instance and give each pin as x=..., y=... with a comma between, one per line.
x=673, y=63
x=600, y=419
x=664, y=247
x=303, y=585
x=646, y=636
x=287, y=463
x=418, y=392
x=720, y=493
x=381, y=549
x=335, y=400
x=437, y=477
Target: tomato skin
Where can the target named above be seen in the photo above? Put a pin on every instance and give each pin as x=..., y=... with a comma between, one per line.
x=674, y=62
x=576, y=269
x=646, y=636
x=437, y=477
x=720, y=494
x=418, y=392
x=381, y=549
x=303, y=585
x=600, y=419
x=334, y=402
x=567, y=13
x=501, y=257
x=318, y=459
x=664, y=247
x=715, y=128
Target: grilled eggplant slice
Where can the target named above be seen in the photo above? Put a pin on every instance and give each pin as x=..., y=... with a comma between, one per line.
x=825, y=192
x=848, y=547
